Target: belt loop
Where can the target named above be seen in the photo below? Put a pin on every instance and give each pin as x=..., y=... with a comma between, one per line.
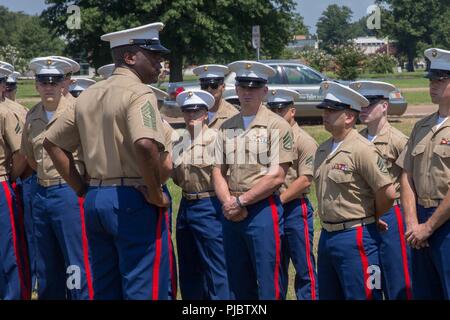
x=100, y=182
x=122, y=181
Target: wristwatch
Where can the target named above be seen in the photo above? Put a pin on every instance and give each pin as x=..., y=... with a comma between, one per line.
x=239, y=202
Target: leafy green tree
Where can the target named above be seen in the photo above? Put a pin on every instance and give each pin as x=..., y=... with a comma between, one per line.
x=381, y=63
x=350, y=61
x=196, y=31
x=334, y=27
x=415, y=25
x=24, y=37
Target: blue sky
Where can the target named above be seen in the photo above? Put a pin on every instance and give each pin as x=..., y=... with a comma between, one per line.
x=311, y=10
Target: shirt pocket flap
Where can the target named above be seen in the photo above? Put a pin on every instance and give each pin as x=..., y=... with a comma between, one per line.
x=340, y=176
x=442, y=151
x=419, y=149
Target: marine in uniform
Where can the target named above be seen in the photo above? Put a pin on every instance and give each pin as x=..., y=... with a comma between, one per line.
x=25, y=185
x=425, y=189
x=353, y=190
x=298, y=213
x=74, y=68
x=79, y=85
x=121, y=136
x=62, y=261
x=201, y=255
x=170, y=136
x=254, y=150
x=11, y=86
x=14, y=273
x=212, y=78
x=390, y=142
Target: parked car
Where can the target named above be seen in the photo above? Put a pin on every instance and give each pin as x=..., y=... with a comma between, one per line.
x=291, y=75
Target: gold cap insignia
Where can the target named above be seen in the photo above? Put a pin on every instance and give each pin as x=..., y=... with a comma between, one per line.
x=358, y=85
x=326, y=85
x=434, y=53
x=205, y=68
x=248, y=66
x=49, y=62
x=190, y=94
x=274, y=92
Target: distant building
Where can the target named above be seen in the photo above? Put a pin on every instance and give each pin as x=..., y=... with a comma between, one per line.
x=370, y=45
x=300, y=42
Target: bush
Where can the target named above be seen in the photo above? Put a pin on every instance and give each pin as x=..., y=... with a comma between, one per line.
x=381, y=63
x=350, y=62
x=316, y=58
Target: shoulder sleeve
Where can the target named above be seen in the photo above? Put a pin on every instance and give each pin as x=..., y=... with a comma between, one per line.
x=12, y=131
x=64, y=131
x=144, y=120
x=26, y=148
x=282, y=143
x=404, y=160
x=306, y=151
x=371, y=167
x=219, y=150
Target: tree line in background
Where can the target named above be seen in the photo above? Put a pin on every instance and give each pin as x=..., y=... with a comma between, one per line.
x=219, y=31
x=23, y=37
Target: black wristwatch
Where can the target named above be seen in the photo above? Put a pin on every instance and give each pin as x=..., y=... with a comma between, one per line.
x=239, y=202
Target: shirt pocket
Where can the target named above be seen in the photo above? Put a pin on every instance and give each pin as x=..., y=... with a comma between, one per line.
x=340, y=176
x=418, y=150
x=441, y=159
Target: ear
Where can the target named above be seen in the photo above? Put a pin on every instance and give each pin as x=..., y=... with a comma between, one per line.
x=292, y=110
x=129, y=58
x=385, y=105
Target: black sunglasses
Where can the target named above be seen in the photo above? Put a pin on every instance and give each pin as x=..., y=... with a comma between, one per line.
x=212, y=85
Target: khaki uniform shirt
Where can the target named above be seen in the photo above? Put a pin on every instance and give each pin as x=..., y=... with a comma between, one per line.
x=34, y=133
x=390, y=143
x=19, y=110
x=304, y=149
x=106, y=121
x=11, y=132
x=194, y=162
x=226, y=111
x=170, y=136
x=427, y=158
x=347, y=180
x=69, y=97
x=248, y=154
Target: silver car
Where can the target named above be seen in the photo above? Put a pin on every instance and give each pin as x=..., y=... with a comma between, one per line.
x=290, y=75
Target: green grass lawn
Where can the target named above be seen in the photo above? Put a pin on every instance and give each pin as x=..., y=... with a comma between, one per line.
x=417, y=97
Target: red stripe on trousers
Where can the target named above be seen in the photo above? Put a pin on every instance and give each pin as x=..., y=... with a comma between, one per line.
x=401, y=232
x=23, y=241
x=84, y=238
x=157, y=262
x=276, y=232
x=308, y=248
x=13, y=227
x=364, y=260
x=172, y=273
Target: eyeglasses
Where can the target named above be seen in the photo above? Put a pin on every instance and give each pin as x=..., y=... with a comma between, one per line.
x=212, y=85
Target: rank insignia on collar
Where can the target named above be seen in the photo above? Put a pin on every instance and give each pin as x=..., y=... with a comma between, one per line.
x=445, y=141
